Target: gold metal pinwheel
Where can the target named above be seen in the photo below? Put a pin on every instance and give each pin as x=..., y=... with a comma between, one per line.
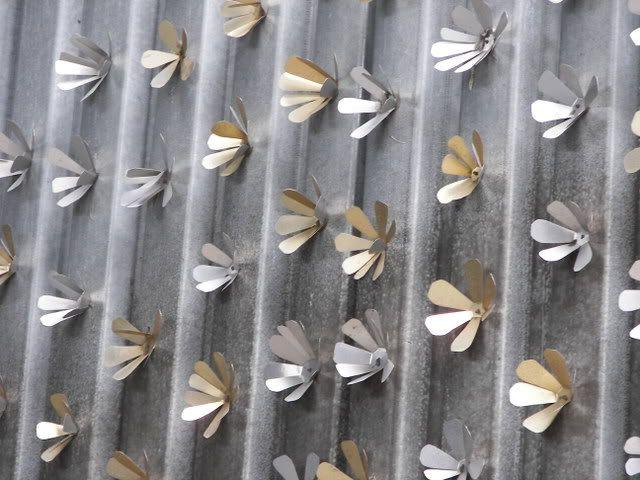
x=372, y=245
x=470, y=311
x=7, y=254
x=463, y=162
x=176, y=56
x=214, y=392
x=540, y=386
x=66, y=431
x=242, y=16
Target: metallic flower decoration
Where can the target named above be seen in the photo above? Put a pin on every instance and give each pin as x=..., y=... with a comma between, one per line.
x=440, y=465
x=371, y=358
x=356, y=459
x=3, y=399
x=230, y=142
x=310, y=218
x=74, y=303
x=464, y=49
x=218, y=276
x=215, y=392
x=66, y=431
x=18, y=155
x=145, y=343
x=383, y=102
x=92, y=68
x=632, y=158
x=632, y=447
x=177, y=55
x=463, y=162
x=242, y=16
x=151, y=182
x=82, y=167
x=120, y=466
x=572, y=234
x=372, y=245
x=7, y=254
x=470, y=311
x=568, y=102
x=292, y=345
x=287, y=470
x=629, y=300
x=540, y=387
x=310, y=86
x=634, y=7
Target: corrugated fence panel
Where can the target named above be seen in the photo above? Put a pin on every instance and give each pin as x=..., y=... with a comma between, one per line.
x=133, y=261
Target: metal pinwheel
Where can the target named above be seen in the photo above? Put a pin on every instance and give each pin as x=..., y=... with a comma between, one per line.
x=287, y=470
x=306, y=85
x=177, y=56
x=383, y=102
x=573, y=234
x=440, y=465
x=7, y=254
x=94, y=67
x=230, y=142
x=218, y=276
x=242, y=15
x=151, y=182
x=310, y=217
x=540, y=386
x=632, y=158
x=370, y=357
x=66, y=431
x=470, y=311
x=568, y=102
x=356, y=459
x=463, y=162
x=75, y=302
x=634, y=7
x=134, y=355
x=476, y=38
x=82, y=166
x=18, y=155
x=372, y=245
x=215, y=392
x=632, y=447
x=629, y=300
x=292, y=345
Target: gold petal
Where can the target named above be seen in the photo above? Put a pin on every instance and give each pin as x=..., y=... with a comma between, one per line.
x=444, y=294
x=558, y=366
x=356, y=217
x=451, y=165
x=458, y=146
x=532, y=372
x=352, y=454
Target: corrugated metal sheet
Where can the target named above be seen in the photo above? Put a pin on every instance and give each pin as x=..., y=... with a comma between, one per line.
x=135, y=261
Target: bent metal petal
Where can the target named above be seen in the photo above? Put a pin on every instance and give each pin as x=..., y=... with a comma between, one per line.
x=540, y=387
x=372, y=245
x=463, y=162
x=287, y=470
x=215, y=392
x=121, y=466
x=470, y=311
x=464, y=49
x=572, y=234
x=7, y=254
x=356, y=459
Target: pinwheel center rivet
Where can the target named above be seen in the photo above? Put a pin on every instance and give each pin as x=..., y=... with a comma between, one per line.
x=310, y=369
x=379, y=357
x=476, y=173
x=377, y=246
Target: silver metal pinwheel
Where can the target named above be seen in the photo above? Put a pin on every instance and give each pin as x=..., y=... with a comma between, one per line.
x=629, y=300
x=92, y=68
x=287, y=470
x=82, y=166
x=567, y=100
x=572, y=234
x=151, y=182
x=17, y=155
x=292, y=345
x=74, y=303
x=461, y=463
x=382, y=103
x=475, y=38
x=632, y=447
x=218, y=276
x=370, y=357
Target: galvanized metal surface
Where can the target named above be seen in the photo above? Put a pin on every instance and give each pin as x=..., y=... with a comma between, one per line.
x=133, y=261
